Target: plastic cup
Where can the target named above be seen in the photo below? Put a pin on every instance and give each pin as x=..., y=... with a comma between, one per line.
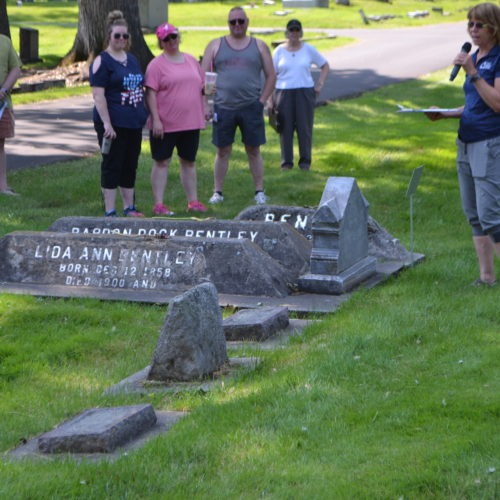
x=210, y=79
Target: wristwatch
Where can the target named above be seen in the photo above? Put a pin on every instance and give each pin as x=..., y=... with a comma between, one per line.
x=475, y=77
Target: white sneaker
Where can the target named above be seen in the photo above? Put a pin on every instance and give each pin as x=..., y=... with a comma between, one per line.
x=216, y=198
x=260, y=198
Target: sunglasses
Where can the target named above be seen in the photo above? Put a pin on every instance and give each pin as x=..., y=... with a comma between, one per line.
x=173, y=36
x=125, y=36
x=233, y=22
x=294, y=29
x=478, y=25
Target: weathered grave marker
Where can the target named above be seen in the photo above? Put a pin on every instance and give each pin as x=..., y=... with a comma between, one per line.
x=381, y=244
x=285, y=245
x=339, y=259
x=255, y=324
x=109, y=266
x=191, y=345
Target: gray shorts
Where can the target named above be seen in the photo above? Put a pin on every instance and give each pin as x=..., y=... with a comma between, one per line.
x=250, y=121
x=478, y=166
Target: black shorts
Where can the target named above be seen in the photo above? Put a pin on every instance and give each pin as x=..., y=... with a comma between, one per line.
x=186, y=142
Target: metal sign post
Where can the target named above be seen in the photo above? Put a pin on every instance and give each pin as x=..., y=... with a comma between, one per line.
x=412, y=188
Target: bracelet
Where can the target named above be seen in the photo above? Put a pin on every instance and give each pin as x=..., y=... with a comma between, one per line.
x=475, y=77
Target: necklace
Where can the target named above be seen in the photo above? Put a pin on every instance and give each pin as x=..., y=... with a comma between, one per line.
x=120, y=58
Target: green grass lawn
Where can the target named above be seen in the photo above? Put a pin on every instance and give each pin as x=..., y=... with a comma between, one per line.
x=395, y=395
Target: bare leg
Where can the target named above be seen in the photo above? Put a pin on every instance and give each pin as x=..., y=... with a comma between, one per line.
x=485, y=250
x=221, y=166
x=189, y=179
x=256, y=166
x=159, y=178
x=127, y=197
x=3, y=167
x=109, y=196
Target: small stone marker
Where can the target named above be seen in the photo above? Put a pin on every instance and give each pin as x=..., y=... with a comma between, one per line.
x=191, y=345
x=256, y=324
x=339, y=259
x=98, y=430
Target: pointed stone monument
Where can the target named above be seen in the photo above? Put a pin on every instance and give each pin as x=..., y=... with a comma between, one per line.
x=339, y=257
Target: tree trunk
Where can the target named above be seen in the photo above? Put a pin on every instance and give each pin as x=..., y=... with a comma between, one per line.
x=4, y=19
x=89, y=40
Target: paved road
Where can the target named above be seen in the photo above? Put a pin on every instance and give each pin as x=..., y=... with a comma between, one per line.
x=61, y=130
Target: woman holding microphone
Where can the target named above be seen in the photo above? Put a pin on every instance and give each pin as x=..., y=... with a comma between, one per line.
x=478, y=143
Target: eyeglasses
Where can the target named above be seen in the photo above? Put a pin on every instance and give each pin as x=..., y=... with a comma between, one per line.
x=125, y=36
x=173, y=36
x=294, y=28
x=233, y=22
x=478, y=25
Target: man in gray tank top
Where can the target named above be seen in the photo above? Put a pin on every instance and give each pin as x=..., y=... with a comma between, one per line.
x=239, y=61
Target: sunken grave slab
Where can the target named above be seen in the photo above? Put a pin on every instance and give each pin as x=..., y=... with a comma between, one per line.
x=255, y=324
x=104, y=265
x=99, y=430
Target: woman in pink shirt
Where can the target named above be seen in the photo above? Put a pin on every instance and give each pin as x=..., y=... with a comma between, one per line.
x=174, y=82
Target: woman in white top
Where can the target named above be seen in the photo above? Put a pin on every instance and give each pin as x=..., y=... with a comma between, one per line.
x=295, y=93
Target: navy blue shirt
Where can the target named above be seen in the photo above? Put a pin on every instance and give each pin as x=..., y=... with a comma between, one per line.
x=478, y=121
x=123, y=89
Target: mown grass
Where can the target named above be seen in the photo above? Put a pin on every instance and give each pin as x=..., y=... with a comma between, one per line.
x=393, y=396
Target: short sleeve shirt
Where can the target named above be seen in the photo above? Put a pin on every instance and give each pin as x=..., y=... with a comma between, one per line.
x=178, y=89
x=293, y=69
x=478, y=121
x=8, y=61
x=123, y=90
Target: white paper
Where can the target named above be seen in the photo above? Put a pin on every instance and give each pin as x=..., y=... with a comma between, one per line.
x=402, y=109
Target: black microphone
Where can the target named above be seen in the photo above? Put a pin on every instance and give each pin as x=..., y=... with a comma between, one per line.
x=454, y=72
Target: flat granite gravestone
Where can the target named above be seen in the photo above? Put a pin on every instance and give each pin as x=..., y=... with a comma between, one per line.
x=191, y=345
x=106, y=266
x=255, y=324
x=98, y=430
x=339, y=258
x=285, y=245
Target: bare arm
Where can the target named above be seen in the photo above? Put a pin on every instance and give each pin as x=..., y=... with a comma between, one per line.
x=101, y=104
x=9, y=82
x=490, y=94
x=322, y=77
x=269, y=72
x=157, y=125
x=439, y=115
x=207, y=63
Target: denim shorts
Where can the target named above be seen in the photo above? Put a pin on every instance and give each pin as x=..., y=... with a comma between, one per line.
x=478, y=165
x=250, y=121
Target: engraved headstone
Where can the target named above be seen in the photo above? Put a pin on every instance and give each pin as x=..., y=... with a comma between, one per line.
x=381, y=244
x=98, y=430
x=191, y=345
x=255, y=324
x=285, y=245
x=305, y=4
x=339, y=259
x=136, y=268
